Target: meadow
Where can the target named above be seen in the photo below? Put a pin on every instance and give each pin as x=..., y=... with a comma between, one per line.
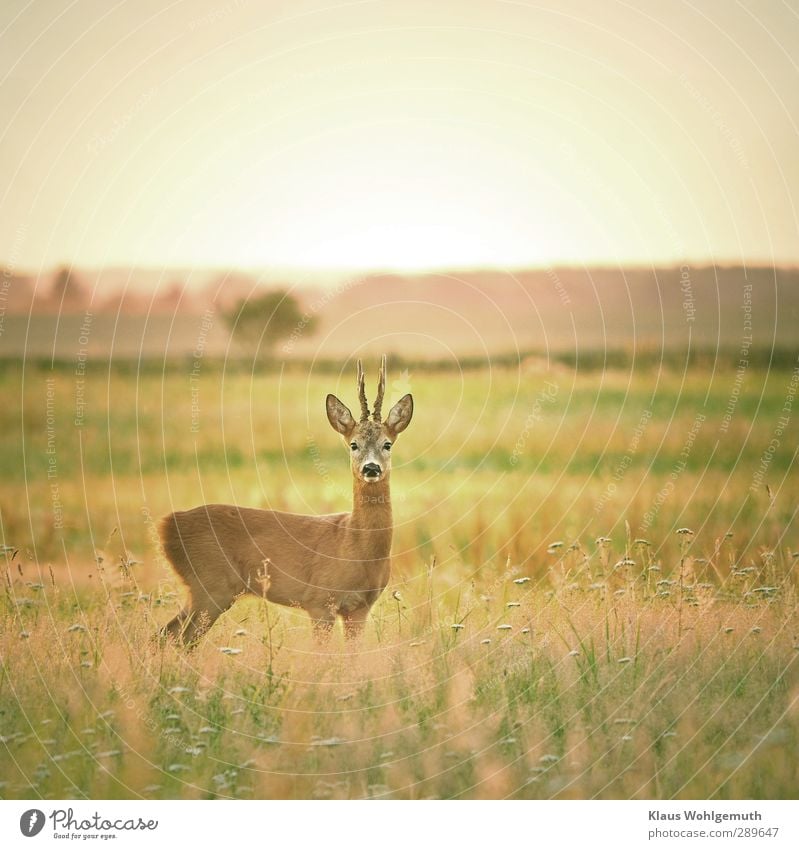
x=593, y=591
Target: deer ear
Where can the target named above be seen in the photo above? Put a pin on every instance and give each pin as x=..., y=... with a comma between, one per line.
x=339, y=416
x=400, y=415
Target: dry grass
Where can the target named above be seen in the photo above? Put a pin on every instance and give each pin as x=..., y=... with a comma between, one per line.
x=605, y=684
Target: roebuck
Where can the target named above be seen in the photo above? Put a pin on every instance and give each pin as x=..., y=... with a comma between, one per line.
x=332, y=565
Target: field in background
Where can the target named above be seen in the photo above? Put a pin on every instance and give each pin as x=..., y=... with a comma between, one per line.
x=577, y=311
x=638, y=661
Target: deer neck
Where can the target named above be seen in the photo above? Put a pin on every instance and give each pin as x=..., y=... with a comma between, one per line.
x=371, y=506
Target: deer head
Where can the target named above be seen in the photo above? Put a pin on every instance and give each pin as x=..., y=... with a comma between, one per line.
x=370, y=440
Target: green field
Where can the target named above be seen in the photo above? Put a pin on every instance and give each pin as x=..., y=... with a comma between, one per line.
x=639, y=662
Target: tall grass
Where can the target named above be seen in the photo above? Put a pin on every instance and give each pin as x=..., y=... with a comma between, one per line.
x=541, y=637
x=608, y=678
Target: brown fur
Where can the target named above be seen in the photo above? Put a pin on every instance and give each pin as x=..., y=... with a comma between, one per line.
x=334, y=565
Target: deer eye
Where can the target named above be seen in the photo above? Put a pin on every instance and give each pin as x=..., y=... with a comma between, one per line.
x=354, y=446
x=387, y=446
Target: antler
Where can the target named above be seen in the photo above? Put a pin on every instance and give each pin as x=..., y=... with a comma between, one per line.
x=362, y=393
x=381, y=390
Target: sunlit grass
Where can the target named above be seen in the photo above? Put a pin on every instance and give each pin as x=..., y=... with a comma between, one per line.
x=547, y=631
x=603, y=679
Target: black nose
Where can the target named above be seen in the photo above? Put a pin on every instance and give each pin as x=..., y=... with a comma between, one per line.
x=371, y=470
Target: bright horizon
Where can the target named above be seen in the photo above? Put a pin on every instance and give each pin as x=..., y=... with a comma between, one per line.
x=378, y=136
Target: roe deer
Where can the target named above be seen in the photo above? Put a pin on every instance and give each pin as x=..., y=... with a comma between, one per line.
x=332, y=565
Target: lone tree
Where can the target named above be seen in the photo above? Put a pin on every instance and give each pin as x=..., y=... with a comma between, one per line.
x=259, y=323
x=67, y=290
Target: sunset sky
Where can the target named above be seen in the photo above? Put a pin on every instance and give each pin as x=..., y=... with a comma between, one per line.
x=398, y=134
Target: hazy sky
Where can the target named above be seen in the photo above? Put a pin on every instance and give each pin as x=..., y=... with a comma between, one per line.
x=403, y=133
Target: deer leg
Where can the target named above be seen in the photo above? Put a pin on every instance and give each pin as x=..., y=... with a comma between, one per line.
x=323, y=619
x=174, y=627
x=354, y=622
x=197, y=617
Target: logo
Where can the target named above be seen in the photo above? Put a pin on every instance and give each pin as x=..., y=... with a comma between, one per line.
x=31, y=822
